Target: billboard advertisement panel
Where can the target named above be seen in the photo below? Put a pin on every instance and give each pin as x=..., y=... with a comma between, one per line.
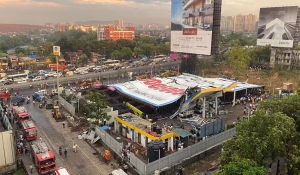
x=191, y=26
x=276, y=26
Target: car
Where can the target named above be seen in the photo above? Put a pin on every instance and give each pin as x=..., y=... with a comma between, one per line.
x=97, y=68
x=59, y=74
x=22, y=81
x=8, y=82
x=50, y=74
x=83, y=72
x=49, y=104
x=3, y=79
x=33, y=75
x=38, y=78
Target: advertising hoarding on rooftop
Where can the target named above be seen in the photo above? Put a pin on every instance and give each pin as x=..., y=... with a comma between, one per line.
x=277, y=26
x=191, y=26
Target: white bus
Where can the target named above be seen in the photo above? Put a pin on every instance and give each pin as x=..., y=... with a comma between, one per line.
x=157, y=58
x=111, y=63
x=17, y=77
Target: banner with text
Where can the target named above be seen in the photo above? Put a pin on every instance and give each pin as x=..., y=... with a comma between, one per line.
x=191, y=26
x=276, y=26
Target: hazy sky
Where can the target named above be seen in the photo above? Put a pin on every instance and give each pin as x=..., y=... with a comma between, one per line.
x=135, y=11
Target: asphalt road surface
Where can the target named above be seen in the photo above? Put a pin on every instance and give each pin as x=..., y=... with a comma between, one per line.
x=83, y=162
x=107, y=75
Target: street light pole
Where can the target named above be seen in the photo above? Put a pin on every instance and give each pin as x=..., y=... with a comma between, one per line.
x=57, y=77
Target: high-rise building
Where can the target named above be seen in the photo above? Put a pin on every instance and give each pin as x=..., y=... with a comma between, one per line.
x=250, y=23
x=227, y=23
x=239, y=23
x=113, y=33
x=119, y=23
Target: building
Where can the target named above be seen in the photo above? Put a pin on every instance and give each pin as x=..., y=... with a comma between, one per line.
x=197, y=13
x=250, y=23
x=112, y=33
x=227, y=23
x=285, y=57
x=239, y=23
x=119, y=24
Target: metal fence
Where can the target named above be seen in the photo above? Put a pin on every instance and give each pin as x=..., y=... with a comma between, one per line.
x=109, y=141
x=68, y=106
x=139, y=165
x=190, y=151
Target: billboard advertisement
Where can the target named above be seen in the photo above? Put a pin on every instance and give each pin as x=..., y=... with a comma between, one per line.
x=276, y=26
x=191, y=26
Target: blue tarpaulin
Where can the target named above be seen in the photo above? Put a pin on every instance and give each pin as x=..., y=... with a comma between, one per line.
x=16, y=99
x=183, y=133
x=104, y=128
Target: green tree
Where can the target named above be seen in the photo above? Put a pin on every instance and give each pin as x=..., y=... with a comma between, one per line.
x=117, y=55
x=83, y=59
x=138, y=51
x=126, y=53
x=45, y=49
x=266, y=134
x=297, y=47
x=239, y=60
x=52, y=58
x=164, y=48
x=19, y=50
x=94, y=106
x=148, y=49
x=21, y=54
x=241, y=167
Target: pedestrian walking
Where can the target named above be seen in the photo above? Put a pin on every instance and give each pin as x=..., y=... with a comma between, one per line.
x=31, y=169
x=60, y=151
x=26, y=150
x=33, y=102
x=65, y=152
x=63, y=123
x=270, y=169
x=75, y=147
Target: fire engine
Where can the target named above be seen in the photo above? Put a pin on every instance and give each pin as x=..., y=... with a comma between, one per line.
x=43, y=157
x=29, y=130
x=62, y=171
x=21, y=114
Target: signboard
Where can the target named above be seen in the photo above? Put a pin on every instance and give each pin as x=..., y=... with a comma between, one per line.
x=56, y=50
x=191, y=26
x=276, y=26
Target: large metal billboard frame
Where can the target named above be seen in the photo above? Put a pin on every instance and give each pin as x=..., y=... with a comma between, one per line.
x=277, y=26
x=191, y=26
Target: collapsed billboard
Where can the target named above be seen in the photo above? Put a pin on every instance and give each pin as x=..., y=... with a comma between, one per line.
x=191, y=26
x=276, y=26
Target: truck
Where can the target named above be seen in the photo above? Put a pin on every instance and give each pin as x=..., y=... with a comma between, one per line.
x=60, y=67
x=62, y=171
x=43, y=157
x=21, y=114
x=29, y=130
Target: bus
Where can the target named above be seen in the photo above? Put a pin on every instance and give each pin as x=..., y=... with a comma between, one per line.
x=111, y=63
x=158, y=58
x=17, y=77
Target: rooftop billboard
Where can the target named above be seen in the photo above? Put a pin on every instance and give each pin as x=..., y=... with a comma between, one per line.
x=276, y=26
x=191, y=26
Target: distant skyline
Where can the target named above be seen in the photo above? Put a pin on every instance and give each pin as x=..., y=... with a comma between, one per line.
x=40, y=12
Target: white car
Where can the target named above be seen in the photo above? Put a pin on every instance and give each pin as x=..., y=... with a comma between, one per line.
x=83, y=72
x=97, y=68
x=38, y=78
x=59, y=74
x=3, y=79
x=22, y=81
x=50, y=74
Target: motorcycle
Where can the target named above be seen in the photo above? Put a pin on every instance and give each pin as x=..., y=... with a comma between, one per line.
x=40, y=105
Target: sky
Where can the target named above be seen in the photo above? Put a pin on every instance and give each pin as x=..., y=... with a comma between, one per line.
x=131, y=11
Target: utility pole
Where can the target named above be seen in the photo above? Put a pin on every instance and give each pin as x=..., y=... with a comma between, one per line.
x=56, y=52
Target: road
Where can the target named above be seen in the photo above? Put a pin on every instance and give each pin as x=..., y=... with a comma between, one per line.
x=81, y=163
x=108, y=74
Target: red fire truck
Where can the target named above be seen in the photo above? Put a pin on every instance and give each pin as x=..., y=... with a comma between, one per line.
x=29, y=130
x=21, y=114
x=43, y=158
x=62, y=171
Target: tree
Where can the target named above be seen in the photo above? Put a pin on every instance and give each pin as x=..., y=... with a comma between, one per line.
x=266, y=134
x=21, y=54
x=126, y=53
x=148, y=49
x=164, y=48
x=138, y=51
x=239, y=60
x=117, y=55
x=19, y=50
x=52, y=58
x=241, y=167
x=45, y=49
x=83, y=59
x=94, y=107
x=297, y=47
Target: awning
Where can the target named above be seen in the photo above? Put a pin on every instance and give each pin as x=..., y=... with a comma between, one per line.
x=183, y=133
x=111, y=88
x=4, y=95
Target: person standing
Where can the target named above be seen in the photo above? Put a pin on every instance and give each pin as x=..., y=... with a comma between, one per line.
x=31, y=169
x=65, y=152
x=64, y=124
x=75, y=147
